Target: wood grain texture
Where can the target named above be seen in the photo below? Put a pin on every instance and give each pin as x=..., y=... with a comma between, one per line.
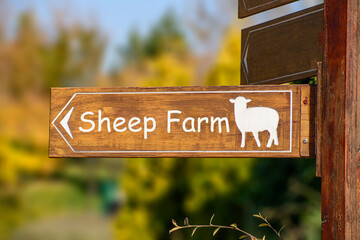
x=196, y=102
x=352, y=122
x=318, y=120
x=282, y=50
x=340, y=122
x=250, y=7
x=307, y=131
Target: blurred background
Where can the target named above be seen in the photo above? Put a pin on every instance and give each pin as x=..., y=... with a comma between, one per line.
x=63, y=43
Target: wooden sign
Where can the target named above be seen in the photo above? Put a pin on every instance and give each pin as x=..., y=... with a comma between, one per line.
x=282, y=50
x=250, y=7
x=241, y=121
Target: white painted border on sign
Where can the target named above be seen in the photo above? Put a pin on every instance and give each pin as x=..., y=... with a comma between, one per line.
x=184, y=92
x=278, y=12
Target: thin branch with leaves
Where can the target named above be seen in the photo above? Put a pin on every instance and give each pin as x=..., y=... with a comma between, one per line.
x=267, y=224
x=233, y=227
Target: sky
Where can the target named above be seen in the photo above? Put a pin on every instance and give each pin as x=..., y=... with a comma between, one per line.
x=114, y=17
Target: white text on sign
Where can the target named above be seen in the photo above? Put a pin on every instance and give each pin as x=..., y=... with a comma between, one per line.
x=148, y=124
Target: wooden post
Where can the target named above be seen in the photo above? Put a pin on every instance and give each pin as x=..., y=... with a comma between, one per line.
x=340, y=138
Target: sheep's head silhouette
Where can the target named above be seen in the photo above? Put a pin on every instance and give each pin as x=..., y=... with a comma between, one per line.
x=240, y=100
x=255, y=120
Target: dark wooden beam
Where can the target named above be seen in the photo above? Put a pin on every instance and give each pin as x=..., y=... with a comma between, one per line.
x=250, y=7
x=340, y=138
x=284, y=49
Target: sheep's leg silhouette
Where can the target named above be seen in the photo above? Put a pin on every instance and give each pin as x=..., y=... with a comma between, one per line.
x=273, y=137
x=256, y=136
x=243, y=138
x=276, y=140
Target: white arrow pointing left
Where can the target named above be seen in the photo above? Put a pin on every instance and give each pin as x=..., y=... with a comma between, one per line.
x=65, y=122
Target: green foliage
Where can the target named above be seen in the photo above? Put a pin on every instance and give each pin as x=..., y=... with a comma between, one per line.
x=41, y=199
x=30, y=62
x=74, y=58
x=165, y=37
x=162, y=188
x=160, y=58
x=287, y=191
x=133, y=51
x=34, y=64
x=310, y=81
x=226, y=70
x=10, y=211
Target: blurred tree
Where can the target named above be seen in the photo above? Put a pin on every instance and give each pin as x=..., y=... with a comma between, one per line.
x=24, y=60
x=208, y=21
x=161, y=58
x=34, y=63
x=3, y=18
x=166, y=37
x=225, y=70
x=1, y=32
x=133, y=52
x=289, y=193
x=75, y=58
x=30, y=63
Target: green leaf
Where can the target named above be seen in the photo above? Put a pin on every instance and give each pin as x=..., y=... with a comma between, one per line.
x=263, y=225
x=174, y=222
x=257, y=216
x=186, y=221
x=216, y=230
x=282, y=228
x=233, y=225
x=193, y=232
x=212, y=219
x=243, y=236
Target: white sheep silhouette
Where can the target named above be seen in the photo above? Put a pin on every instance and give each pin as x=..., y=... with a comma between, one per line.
x=255, y=120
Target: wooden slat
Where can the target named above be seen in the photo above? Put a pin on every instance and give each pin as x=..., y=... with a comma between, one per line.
x=340, y=119
x=282, y=50
x=156, y=102
x=250, y=7
x=352, y=122
x=307, y=132
x=318, y=120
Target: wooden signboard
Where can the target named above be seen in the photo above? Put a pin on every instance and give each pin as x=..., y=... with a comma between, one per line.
x=250, y=7
x=284, y=49
x=244, y=121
